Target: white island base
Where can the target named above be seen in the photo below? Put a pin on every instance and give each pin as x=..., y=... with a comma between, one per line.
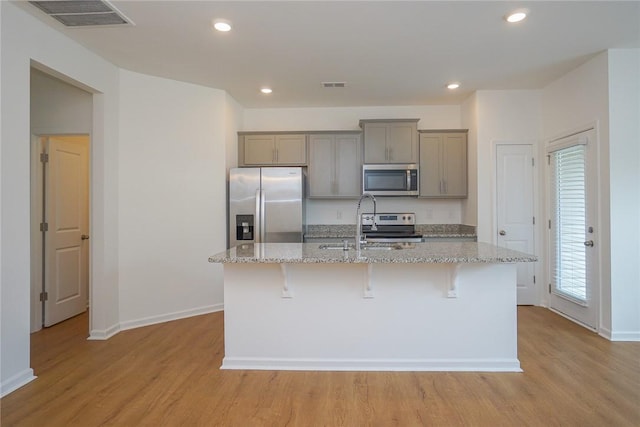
x=371, y=317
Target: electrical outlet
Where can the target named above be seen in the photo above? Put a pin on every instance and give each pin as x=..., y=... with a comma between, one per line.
x=338, y=214
x=429, y=214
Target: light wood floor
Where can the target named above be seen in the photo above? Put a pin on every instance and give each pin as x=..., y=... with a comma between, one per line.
x=168, y=375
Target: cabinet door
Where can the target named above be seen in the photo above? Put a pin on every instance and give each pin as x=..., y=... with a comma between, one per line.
x=402, y=143
x=430, y=177
x=321, y=177
x=259, y=149
x=375, y=136
x=291, y=149
x=348, y=166
x=454, y=164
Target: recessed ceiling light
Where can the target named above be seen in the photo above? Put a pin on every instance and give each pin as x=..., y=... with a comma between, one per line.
x=266, y=90
x=453, y=85
x=222, y=25
x=516, y=15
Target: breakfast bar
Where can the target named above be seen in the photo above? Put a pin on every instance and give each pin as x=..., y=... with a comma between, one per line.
x=445, y=306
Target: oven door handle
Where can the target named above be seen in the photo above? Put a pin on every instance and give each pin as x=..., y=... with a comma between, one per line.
x=408, y=180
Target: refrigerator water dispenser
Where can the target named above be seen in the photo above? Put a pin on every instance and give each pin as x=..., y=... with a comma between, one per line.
x=244, y=227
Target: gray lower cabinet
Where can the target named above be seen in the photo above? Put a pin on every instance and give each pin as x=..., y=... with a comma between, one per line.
x=272, y=149
x=443, y=164
x=335, y=165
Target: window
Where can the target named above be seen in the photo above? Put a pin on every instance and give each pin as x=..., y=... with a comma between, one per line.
x=568, y=223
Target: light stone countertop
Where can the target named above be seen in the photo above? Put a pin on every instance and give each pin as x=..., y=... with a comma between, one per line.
x=413, y=253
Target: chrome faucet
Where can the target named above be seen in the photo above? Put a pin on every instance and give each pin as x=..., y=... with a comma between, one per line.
x=359, y=219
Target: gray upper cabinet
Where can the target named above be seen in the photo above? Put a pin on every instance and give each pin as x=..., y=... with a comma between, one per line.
x=335, y=165
x=390, y=141
x=272, y=149
x=443, y=164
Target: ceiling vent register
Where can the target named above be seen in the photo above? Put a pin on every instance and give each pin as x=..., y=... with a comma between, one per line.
x=83, y=13
x=333, y=84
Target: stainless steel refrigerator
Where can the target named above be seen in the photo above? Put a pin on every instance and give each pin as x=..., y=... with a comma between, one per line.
x=266, y=205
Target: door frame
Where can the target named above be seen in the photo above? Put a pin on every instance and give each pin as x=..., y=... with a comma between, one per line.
x=597, y=175
x=37, y=242
x=538, y=240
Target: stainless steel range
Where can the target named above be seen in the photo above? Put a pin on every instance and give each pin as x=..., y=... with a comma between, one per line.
x=391, y=227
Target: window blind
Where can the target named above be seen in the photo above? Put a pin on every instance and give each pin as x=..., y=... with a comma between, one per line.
x=569, y=256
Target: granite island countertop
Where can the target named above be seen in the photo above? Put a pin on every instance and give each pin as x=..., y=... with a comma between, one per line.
x=414, y=253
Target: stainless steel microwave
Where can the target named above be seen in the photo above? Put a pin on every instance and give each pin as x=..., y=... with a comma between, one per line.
x=390, y=179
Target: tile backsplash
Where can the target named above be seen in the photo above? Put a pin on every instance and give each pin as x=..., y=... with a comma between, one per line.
x=428, y=211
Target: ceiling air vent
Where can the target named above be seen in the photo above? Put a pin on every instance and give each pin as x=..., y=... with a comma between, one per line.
x=333, y=84
x=83, y=13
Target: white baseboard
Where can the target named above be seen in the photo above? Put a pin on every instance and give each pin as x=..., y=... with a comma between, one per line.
x=454, y=365
x=625, y=336
x=152, y=320
x=16, y=381
x=103, y=334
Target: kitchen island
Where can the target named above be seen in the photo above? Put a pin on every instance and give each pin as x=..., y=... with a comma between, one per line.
x=416, y=307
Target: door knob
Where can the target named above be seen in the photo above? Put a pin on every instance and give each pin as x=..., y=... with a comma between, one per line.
x=85, y=237
x=589, y=243
x=502, y=233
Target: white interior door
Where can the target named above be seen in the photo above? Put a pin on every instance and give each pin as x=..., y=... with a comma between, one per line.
x=66, y=269
x=573, y=241
x=515, y=211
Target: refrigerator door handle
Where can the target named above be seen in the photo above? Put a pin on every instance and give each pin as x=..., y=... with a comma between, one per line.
x=263, y=217
x=257, y=221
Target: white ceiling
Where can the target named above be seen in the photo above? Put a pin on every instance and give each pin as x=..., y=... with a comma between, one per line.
x=388, y=52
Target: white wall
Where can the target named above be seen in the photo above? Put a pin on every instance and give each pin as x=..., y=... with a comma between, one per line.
x=58, y=107
x=25, y=39
x=502, y=116
x=347, y=118
x=233, y=122
x=624, y=167
x=172, y=196
x=469, y=116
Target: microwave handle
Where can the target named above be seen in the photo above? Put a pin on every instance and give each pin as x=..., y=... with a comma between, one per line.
x=408, y=179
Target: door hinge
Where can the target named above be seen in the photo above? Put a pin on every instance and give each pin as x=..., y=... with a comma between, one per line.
x=44, y=226
x=549, y=224
x=534, y=279
x=534, y=220
x=548, y=159
x=44, y=157
x=549, y=287
x=533, y=162
x=44, y=296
